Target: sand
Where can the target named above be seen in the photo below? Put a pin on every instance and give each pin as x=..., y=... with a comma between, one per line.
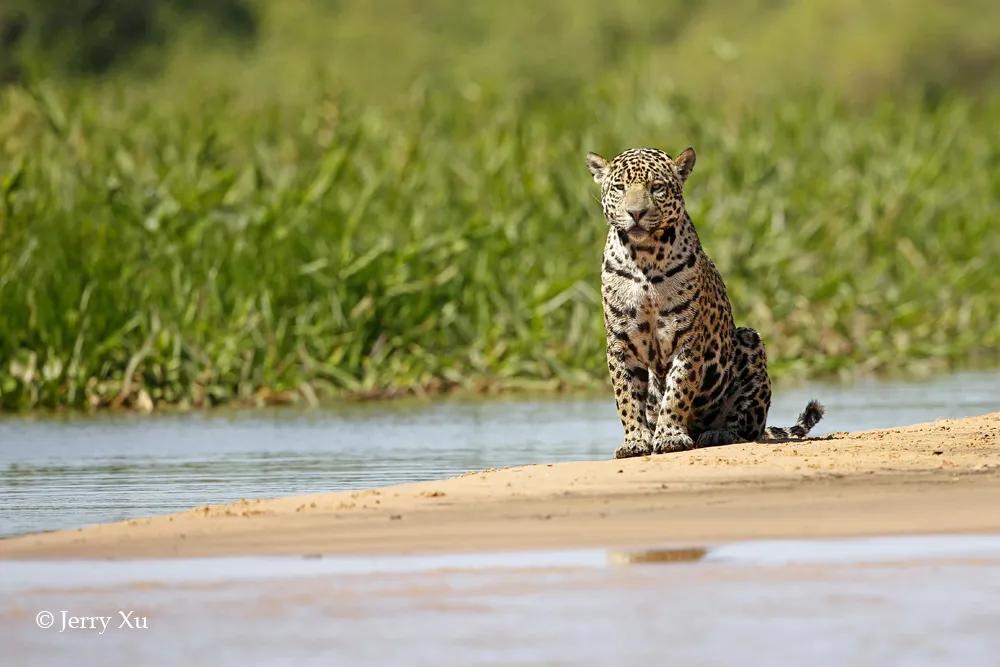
x=942, y=476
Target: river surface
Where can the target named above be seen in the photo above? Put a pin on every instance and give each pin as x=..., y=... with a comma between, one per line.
x=59, y=472
x=918, y=601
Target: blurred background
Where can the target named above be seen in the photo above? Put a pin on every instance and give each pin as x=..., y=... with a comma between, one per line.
x=257, y=201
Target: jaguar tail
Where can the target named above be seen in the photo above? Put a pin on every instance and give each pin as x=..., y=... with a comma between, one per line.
x=809, y=417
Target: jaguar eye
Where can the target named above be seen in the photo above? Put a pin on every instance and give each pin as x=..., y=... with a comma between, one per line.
x=658, y=188
x=618, y=187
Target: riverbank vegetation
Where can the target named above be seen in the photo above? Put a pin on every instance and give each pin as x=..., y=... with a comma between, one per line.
x=197, y=243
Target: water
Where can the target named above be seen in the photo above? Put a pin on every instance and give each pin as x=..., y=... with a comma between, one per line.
x=64, y=472
x=918, y=601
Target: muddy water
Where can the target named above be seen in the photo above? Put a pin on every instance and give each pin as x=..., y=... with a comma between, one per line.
x=927, y=600
x=57, y=473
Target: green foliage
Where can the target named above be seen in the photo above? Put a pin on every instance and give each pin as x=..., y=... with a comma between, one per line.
x=721, y=50
x=86, y=37
x=390, y=196
x=214, y=253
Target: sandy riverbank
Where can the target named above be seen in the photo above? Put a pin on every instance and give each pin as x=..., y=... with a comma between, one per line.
x=942, y=476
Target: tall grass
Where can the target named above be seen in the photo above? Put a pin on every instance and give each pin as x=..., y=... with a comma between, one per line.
x=212, y=254
x=730, y=52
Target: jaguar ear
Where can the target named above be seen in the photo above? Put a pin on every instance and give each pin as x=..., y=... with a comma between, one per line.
x=598, y=166
x=685, y=163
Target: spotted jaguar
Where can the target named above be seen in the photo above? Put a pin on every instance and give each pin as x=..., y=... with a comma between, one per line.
x=684, y=375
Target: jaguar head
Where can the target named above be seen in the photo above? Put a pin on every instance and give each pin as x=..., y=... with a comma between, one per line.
x=642, y=189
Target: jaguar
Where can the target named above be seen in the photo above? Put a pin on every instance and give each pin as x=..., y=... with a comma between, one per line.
x=684, y=375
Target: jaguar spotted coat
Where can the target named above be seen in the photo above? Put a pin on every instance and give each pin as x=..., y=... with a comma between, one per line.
x=684, y=375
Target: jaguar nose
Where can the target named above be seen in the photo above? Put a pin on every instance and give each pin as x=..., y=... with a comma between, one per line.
x=637, y=213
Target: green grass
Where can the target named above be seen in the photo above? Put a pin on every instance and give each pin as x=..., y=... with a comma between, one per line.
x=721, y=50
x=216, y=252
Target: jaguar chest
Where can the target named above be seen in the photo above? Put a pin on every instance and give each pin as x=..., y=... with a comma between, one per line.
x=658, y=311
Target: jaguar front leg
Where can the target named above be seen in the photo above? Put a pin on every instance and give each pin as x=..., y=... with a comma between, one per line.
x=654, y=396
x=630, y=379
x=673, y=422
